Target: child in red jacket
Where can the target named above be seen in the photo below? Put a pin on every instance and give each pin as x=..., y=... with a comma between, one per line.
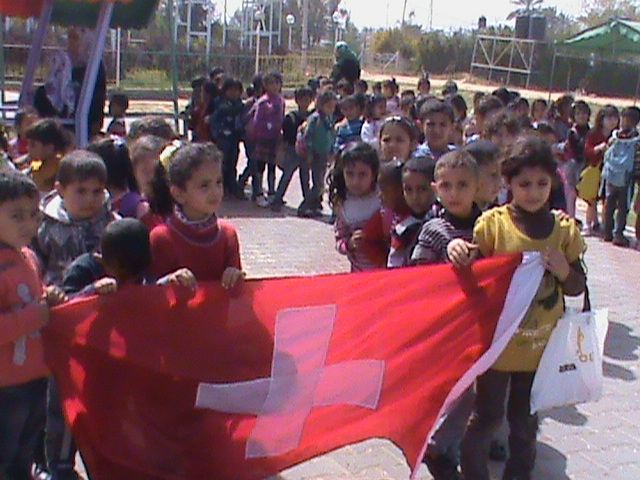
x=23, y=312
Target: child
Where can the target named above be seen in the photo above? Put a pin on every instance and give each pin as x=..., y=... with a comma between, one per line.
x=210, y=94
x=293, y=161
x=125, y=259
x=319, y=137
x=487, y=106
x=156, y=126
x=525, y=224
x=560, y=116
x=595, y=146
x=501, y=128
x=437, y=116
x=424, y=87
x=398, y=139
x=456, y=184
x=574, y=150
x=546, y=132
x=266, y=125
x=376, y=89
x=192, y=236
x=394, y=207
x=390, y=91
x=257, y=91
x=539, y=109
x=227, y=130
x=126, y=199
x=118, y=105
x=19, y=146
x=619, y=164
x=460, y=119
x=354, y=198
x=192, y=112
x=75, y=213
x=351, y=128
x=408, y=108
x=23, y=382
x=374, y=114
x=417, y=176
x=360, y=87
x=48, y=142
x=485, y=154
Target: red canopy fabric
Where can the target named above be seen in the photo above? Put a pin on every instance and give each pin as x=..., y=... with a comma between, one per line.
x=32, y=8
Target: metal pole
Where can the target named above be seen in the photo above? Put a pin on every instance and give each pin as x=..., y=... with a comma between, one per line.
x=118, y=56
x=290, y=37
x=271, y=4
x=257, y=68
x=305, y=35
x=174, y=63
x=224, y=25
x=36, y=50
x=553, y=69
x=2, y=65
x=91, y=75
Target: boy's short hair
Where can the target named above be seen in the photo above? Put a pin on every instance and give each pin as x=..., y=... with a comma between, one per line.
x=49, y=132
x=197, y=82
x=632, y=113
x=423, y=164
x=390, y=173
x=15, y=185
x=80, y=166
x=146, y=145
x=358, y=100
x=527, y=151
x=215, y=71
x=125, y=243
x=434, y=107
x=488, y=104
x=325, y=97
x=273, y=77
x=119, y=99
x=582, y=105
x=408, y=93
x=503, y=119
x=149, y=125
x=362, y=83
x=483, y=151
x=303, y=92
x=456, y=159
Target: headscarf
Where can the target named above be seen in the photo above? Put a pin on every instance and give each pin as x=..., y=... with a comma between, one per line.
x=59, y=86
x=344, y=52
x=85, y=39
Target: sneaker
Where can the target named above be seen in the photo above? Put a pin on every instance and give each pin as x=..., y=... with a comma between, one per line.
x=621, y=241
x=262, y=202
x=596, y=227
x=607, y=237
x=315, y=213
x=442, y=467
x=586, y=231
x=276, y=206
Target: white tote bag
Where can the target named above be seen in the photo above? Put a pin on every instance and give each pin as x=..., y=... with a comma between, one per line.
x=570, y=369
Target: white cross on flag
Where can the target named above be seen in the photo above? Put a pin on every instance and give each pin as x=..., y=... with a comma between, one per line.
x=241, y=388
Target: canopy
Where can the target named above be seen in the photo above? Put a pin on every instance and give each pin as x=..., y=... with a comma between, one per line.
x=616, y=37
x=126, y=13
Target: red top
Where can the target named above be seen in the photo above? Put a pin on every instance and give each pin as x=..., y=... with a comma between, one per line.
x=207, y=252
x=594, y=138
x=21, y=358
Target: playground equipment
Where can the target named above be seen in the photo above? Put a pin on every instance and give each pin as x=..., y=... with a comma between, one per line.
x=101, y=14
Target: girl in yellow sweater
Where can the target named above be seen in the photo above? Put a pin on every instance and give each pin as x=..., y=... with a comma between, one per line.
x=526, y=224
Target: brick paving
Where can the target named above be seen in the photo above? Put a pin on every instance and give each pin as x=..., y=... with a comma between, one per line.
x=587, y=442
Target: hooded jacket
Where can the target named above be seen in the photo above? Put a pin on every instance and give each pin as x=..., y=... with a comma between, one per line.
x=61, y=239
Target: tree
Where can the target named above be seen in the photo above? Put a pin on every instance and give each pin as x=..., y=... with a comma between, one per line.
x=559, y=25
x=596, y=12
x=525, y=7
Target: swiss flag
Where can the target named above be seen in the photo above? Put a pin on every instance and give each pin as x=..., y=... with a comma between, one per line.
x=157, y=386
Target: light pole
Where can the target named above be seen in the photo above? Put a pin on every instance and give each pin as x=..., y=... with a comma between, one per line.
x=259, y=17
x=291, y=20
x=336, y=17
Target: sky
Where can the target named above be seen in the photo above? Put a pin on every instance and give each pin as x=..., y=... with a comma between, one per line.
x=447, y=14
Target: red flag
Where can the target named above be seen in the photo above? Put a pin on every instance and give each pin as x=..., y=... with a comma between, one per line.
x=156, y=387
x=33, y=8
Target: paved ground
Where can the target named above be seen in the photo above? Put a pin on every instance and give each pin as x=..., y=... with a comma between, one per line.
x=588, y=442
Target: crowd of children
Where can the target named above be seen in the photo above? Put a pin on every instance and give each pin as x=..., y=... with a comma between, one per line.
x=411, y=179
